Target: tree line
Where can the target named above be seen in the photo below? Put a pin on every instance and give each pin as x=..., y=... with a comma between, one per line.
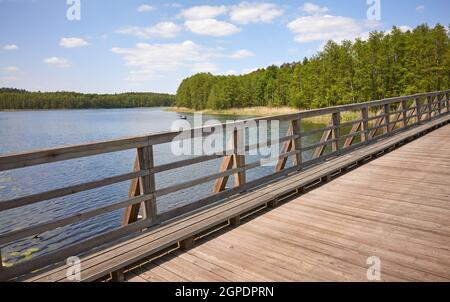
x=385, y=65
x=16, y=99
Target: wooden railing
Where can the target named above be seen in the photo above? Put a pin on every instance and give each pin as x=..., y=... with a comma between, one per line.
x=371, y=121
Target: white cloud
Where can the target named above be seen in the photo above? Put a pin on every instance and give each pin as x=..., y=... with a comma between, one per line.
x=56, y=61
x=211, y=27
x=203, y=12
x=160, y=30
x=254, y=12
x=145, y=8
x=10, y=47
x=314, y=9
x=73, y=42
x=151, y=60
x=240, y=54
x=326, y=27
x=204, y=67
x=173, y=5
x=10, y=69
x=420, y=8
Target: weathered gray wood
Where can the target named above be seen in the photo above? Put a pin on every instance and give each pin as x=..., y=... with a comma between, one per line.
x=186, y=162
x=235, y=221
x=418, y=109
x=43, y=227
x=187, y=243
x=148, y=182
x=198, y=181
x=31, y=199
x=429, y=106
x=336, y=120
x=365, y=124
x=234, y=162
x=297, y=143
x=28, y=159
x=131, y=213
x=447, y=96
x=117, y=276
x=239, y=157
x=387, y=118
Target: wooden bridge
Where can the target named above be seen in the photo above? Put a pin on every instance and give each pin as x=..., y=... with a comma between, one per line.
x=375, y=186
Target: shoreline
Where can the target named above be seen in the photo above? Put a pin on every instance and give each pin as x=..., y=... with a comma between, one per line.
x=264, y=111
x=251, y=111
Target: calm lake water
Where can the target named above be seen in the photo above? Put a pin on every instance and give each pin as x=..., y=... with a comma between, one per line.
x=28, y=130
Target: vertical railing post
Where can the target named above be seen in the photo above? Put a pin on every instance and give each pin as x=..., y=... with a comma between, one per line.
x=418, y=110
x=447, y=101
x=336, y=121
x=297, y=143
x=233, y=161
x=387, y=118
x=439, y=104
x=142, y=186
x=365, y=124
x=404, y=114
x=429, y=107
x=239, y=155
x=148, y=182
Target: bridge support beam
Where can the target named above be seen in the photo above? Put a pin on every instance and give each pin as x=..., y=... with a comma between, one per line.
x=187, y=243
x=117, y=276
x=235, y=221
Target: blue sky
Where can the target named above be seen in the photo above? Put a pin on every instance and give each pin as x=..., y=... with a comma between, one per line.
x=140, y=45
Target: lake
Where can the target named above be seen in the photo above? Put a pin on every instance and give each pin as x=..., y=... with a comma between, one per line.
x=28, y=130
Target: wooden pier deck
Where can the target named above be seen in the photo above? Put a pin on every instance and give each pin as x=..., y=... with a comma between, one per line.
x=396, y=207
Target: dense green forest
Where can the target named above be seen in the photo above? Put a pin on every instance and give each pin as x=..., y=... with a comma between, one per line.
x=15, y=99
x=385, y=65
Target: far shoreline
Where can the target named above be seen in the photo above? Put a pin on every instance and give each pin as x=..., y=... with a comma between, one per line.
x=250, y=111
x=264, y=112
x=72, y=109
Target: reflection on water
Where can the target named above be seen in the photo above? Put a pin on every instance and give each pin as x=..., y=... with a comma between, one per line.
x=28, y=130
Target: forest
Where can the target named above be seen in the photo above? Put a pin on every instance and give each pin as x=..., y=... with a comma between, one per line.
x=15, y=99
x=385, y=65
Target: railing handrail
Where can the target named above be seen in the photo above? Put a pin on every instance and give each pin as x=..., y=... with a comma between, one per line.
x=434, y=105
x=54, y=154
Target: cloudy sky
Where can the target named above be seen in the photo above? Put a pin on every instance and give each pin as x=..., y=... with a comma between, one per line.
x=140, y=45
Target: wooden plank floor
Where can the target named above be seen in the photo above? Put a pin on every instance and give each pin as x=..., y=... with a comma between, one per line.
x=396, y=208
